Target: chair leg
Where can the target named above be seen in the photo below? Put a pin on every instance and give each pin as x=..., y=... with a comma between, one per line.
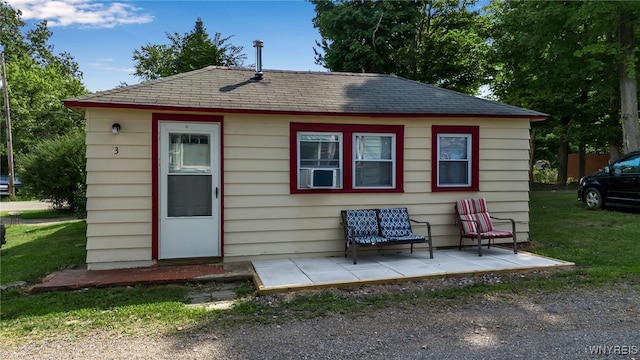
x=479, y=245
x=430, y=249
x=513, y=231
x=354, y=253
x=348, y=241
x=460, y=247
x=411, y=248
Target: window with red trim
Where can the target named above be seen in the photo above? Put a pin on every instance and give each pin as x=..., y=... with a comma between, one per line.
x=346, y=158
x=455, y=154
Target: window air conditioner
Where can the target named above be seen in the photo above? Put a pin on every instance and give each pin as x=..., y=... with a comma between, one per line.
x=323, y=178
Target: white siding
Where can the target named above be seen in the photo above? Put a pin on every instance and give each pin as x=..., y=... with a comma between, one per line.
x=261, y=218
x=118, y=189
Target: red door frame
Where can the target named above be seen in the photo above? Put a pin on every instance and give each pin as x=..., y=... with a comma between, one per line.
x=155, y=165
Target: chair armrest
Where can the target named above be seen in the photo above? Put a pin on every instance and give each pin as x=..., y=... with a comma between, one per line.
x=426, y=223
x=513, y=222
x=497, y=218
x=349, y=232
x=420, y=222
x=350, y=235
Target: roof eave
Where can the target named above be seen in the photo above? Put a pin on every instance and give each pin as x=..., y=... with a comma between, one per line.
x=80, y=106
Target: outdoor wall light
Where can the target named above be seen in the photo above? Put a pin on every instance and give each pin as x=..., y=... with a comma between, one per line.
x=115, y=128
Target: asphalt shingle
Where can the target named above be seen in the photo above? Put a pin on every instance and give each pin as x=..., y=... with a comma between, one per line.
x=230, y=89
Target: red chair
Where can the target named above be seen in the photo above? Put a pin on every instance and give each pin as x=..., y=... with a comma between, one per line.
x=474, y=221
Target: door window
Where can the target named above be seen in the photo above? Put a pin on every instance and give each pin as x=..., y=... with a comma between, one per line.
x=189, y=185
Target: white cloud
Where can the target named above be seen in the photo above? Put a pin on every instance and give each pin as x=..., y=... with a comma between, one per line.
x=107, y=64
x=83, y=13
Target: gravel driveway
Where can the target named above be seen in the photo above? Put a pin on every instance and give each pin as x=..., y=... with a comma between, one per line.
x=566, y=324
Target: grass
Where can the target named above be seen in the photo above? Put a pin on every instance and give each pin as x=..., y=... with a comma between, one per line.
x=603, y=245
x=32, y=252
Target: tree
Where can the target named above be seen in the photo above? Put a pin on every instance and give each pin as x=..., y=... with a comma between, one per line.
x=533, y=54
x=628, y=82
x=613, y=31
x=54, y=171
x=439, y=42
x=38, y=79
x=551, y=57
x=191, y=51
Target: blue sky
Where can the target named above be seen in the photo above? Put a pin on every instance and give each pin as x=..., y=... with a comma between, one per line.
x=102, y=35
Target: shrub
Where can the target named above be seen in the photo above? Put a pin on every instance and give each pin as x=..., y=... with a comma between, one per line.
x=545, y=176
x=54, y=171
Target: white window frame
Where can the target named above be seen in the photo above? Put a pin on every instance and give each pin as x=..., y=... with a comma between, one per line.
x=300, y=168
x=178, y=152
x=354, y=159
x=468, y=159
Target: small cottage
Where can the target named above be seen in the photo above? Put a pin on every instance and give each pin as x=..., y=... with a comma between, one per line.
x=223, y=164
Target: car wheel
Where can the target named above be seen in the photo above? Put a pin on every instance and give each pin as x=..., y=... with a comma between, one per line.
x=593, y=199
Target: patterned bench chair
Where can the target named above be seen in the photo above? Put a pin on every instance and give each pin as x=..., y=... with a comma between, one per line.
x=474, y=222
x=395, y=226
x=377, y=227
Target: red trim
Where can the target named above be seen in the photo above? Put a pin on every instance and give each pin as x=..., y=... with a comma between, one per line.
x=155, y=207
x=474, y=131
x=80, y=104
x=155, y=165
x=347, y=131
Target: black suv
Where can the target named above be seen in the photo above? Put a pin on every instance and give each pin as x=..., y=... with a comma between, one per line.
x=617, y=184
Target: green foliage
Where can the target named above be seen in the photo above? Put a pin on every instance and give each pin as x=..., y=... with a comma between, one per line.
x=55, y=171
x=38, y=79
x=439, y=42
x=80, y=200
x=545, y=176
x=562, y=58
x=191, y=51
x=35, y=97
x=244, y=290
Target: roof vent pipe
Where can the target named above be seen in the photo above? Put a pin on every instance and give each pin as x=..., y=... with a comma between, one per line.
x=258, y=44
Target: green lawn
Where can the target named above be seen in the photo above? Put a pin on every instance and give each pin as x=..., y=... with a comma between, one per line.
x=603, y=244
x=34, y=251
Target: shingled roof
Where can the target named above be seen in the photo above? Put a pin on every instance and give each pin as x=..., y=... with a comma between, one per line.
x=229, y=90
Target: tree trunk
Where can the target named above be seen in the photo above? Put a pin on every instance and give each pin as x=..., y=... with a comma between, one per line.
x=582, y=159
x=628, y=90
x=614, y=150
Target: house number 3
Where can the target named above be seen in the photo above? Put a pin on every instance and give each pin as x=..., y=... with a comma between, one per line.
x=116, y=151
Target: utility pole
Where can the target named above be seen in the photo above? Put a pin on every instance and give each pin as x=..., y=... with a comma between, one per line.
x=5, y=90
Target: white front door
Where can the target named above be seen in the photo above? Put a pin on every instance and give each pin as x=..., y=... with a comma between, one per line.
x=189, y=190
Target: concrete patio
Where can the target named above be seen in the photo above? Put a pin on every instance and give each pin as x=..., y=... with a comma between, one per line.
x=280, y=275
